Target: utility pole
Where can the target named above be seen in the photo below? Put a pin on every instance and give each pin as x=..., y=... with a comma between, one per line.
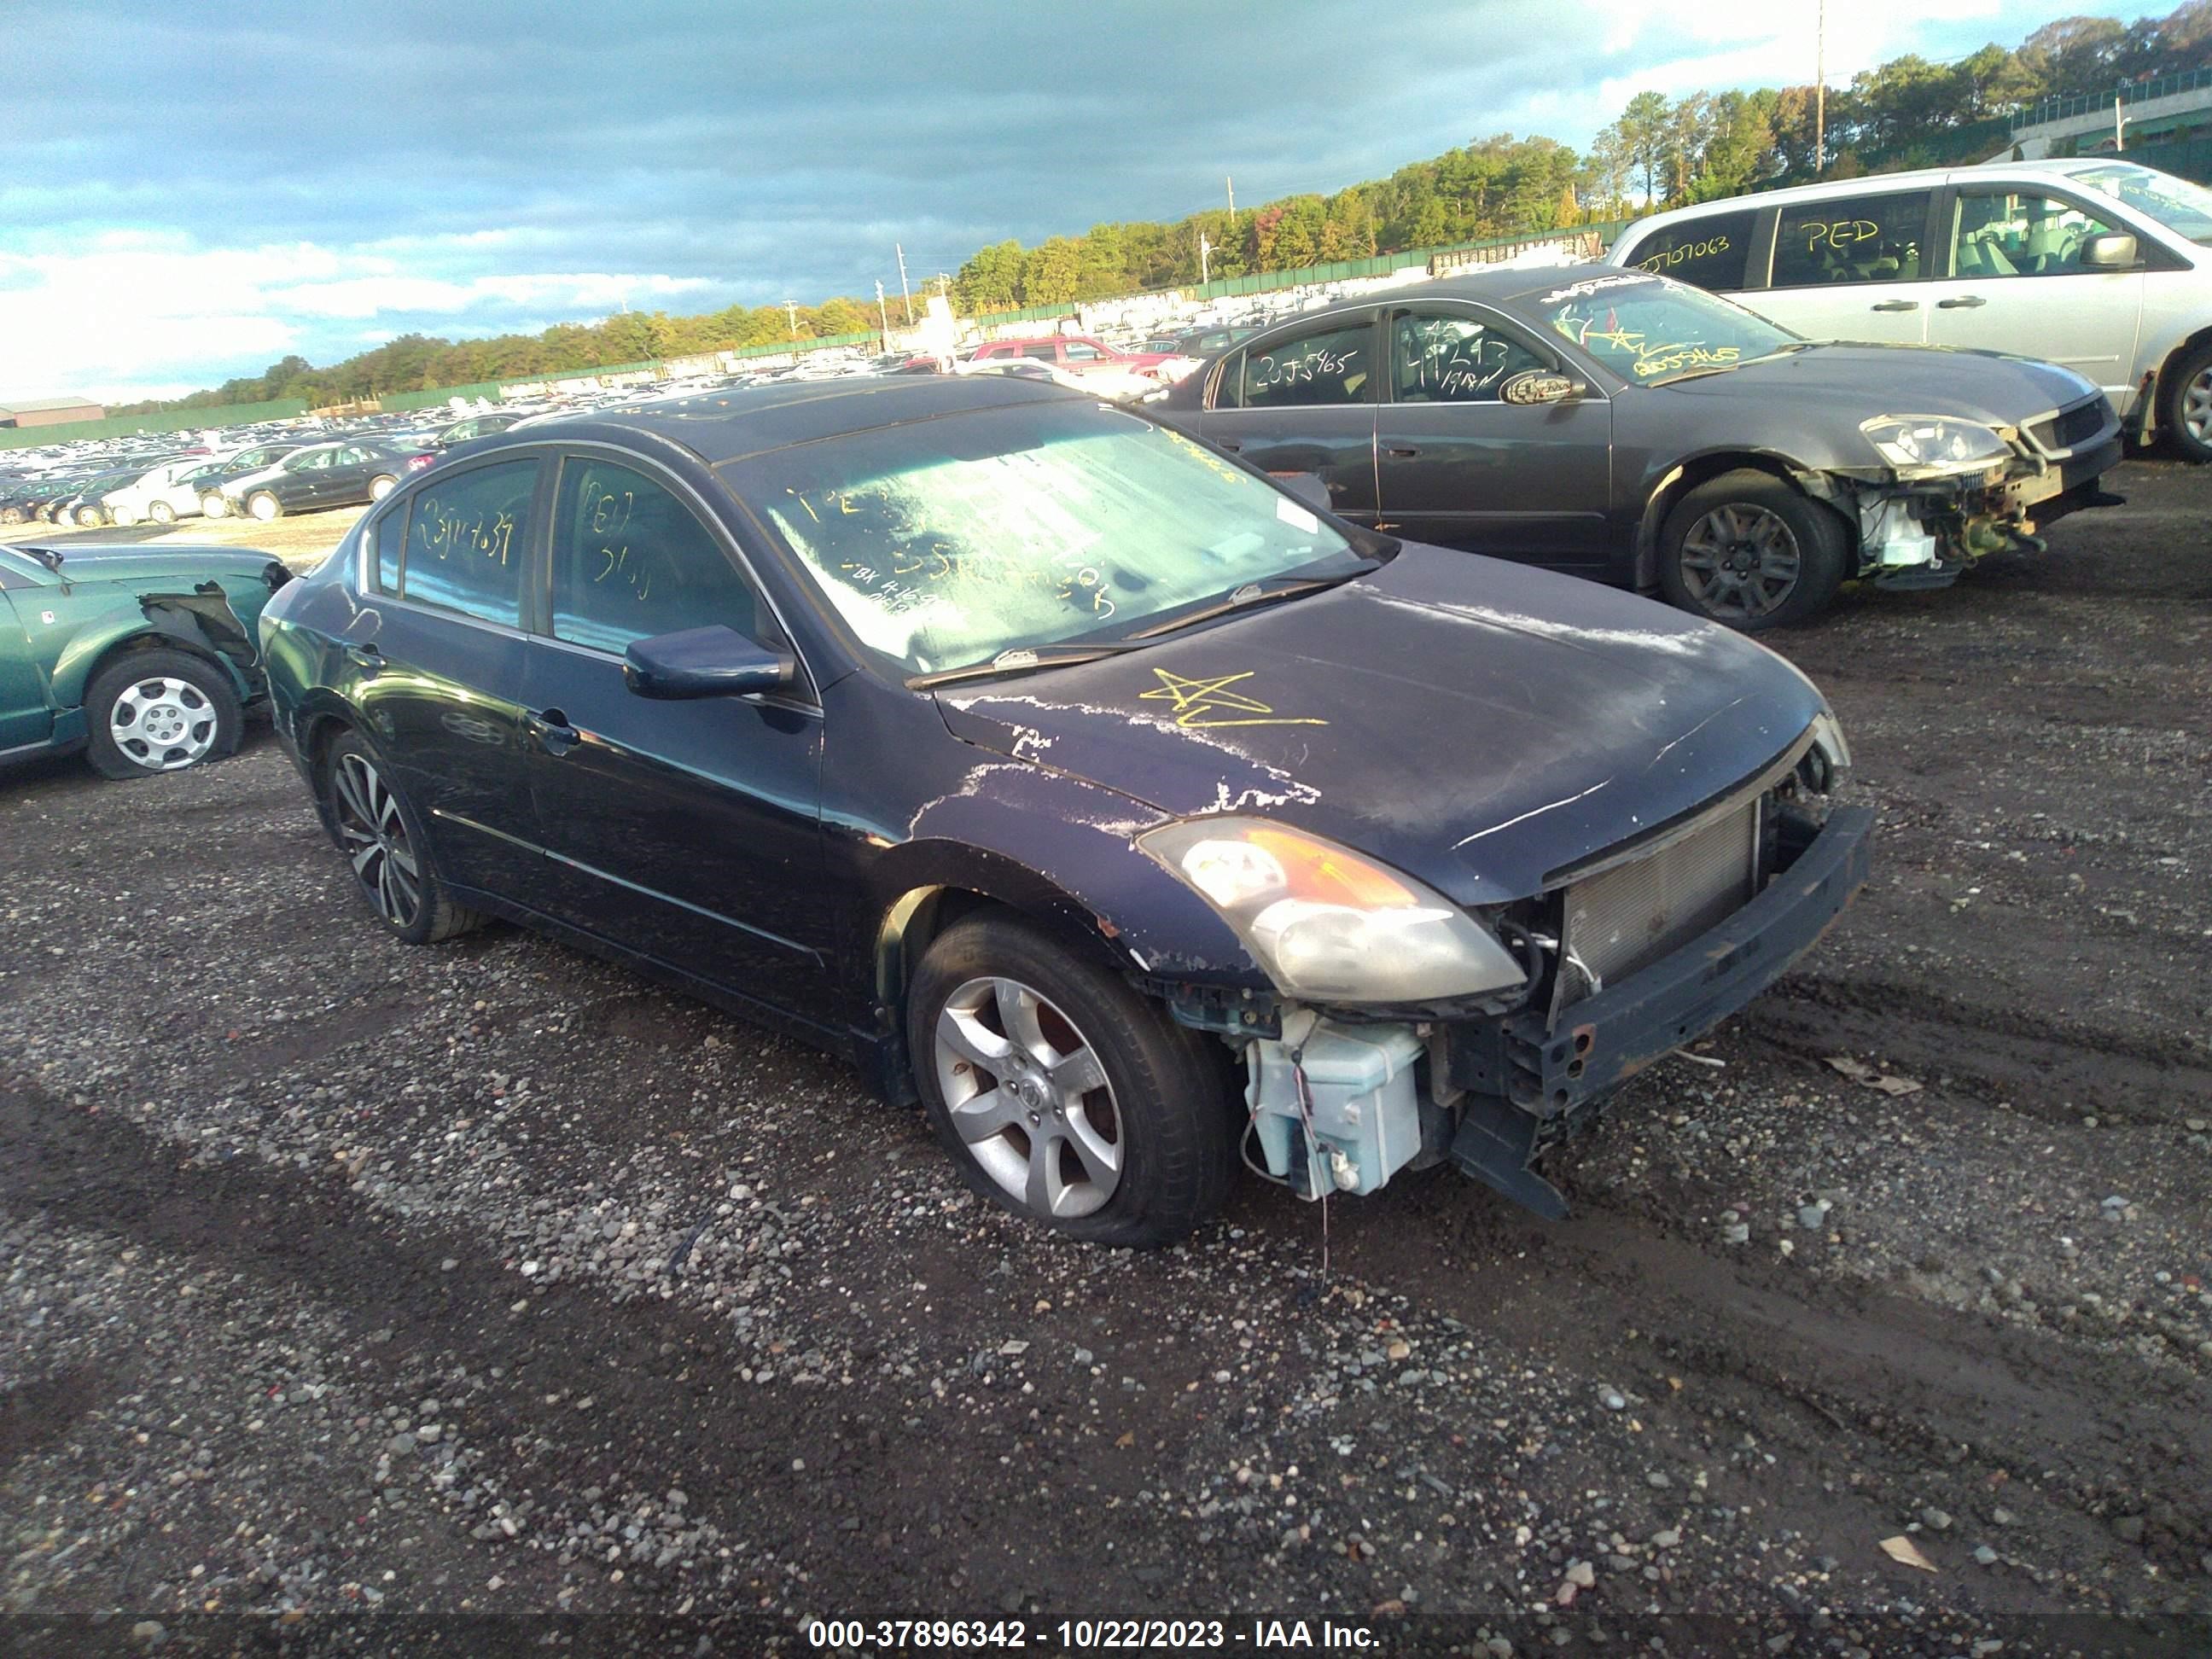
x=1205, y=248
x=1820, y=90
x=882, y=313
x=2119, y=124
x=905, y=298
x=791, y=311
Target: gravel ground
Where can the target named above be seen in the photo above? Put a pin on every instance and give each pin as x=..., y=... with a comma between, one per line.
x=346, y=1282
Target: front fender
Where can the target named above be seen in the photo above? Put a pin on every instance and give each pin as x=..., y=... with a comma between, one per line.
x=1661, y=486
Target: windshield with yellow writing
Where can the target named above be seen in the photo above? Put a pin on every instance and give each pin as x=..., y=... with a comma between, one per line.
x=1648, y=330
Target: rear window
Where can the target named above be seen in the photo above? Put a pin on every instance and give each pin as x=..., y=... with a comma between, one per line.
x=1708, y=250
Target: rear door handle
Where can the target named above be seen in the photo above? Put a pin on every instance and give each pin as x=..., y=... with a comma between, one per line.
x=1230, y=443
x=1902, y=305
x=1401, y=452
x=367, y=658
x=551, y=729
x=1964, y=302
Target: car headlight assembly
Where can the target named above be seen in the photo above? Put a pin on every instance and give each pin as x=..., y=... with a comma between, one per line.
x=1326, y=924
x=1827, y=766
x=1934, y=443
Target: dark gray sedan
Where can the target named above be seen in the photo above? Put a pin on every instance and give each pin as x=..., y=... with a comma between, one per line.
x=1632, y=428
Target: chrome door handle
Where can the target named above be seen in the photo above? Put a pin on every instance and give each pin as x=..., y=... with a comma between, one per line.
x=367, y=658
x=1899, y=304
x=551, y=729
x=1964, y=302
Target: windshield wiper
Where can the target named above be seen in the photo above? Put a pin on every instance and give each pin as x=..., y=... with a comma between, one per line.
x=1022, y=660
x=1253, y=594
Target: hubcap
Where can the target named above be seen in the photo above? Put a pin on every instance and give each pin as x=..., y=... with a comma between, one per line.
x=1740, y=561
x=374, y=836
x=163, y=724
x=1028, y=1098
x=2196, y=407
x=264, y=506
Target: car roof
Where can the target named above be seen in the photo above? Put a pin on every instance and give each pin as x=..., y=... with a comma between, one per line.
x=1917, y=178
x=741, y=421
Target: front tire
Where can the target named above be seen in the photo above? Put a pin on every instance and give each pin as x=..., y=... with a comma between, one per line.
x=264, y=506
x=160, y=711
x=2188, y=412
x=125, y=518
x=1062, y=1094
x=1747, y=551
x=213, y=506
x=382, y=838
x=162, y=513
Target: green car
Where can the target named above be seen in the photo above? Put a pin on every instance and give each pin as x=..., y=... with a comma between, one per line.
x=145, y=658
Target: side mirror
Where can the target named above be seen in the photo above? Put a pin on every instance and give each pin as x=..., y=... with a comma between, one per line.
x=1308, y=486
x=1534, y=386
x=2111, y=249
x=705, y=662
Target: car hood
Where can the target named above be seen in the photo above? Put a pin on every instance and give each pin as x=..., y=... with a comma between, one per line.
x=1479, y=724
x=175, y=565
x=1898, y=379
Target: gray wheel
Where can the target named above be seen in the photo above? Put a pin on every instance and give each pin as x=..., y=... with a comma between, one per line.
x=160, y=511
x=160, y=711
x=1061, y=1092
x=1747, y=550
x=2189, y=406
x=383, y=841
x=1028, y=1098
x=264, y=506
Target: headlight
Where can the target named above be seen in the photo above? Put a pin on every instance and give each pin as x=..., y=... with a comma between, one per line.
x=1922, y=442
x=1827, y=763
x=1326, y=924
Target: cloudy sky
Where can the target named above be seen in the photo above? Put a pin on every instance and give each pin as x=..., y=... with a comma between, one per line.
x=189, y=193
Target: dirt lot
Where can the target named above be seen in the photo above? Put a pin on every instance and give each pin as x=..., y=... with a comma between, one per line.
x=344, y=1279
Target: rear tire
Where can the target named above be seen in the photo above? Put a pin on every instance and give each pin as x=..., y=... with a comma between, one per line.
x=1104, y=1120
x=1747, y=551
x=380, y=486
x=152, y=712
x=382, y=837
x=162, y=513
x=2187, y=415
x=213, y=506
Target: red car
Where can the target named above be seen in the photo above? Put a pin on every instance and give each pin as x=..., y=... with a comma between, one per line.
x=1076, y=352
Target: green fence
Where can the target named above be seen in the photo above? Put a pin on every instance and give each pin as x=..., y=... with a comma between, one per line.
x=171, y=420
x=2191, y=158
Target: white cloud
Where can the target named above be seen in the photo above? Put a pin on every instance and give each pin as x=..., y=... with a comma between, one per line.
x=136, y=314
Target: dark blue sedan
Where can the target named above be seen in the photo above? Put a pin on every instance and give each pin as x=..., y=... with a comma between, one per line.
x=1069, y=777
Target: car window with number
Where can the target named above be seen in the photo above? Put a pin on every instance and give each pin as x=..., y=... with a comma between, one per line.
x=1851, y=239
x=467, y=536
x=2021, y=234
x=1708, y=250
x=1443, y=359
x=631, y=561
x=1329, y=366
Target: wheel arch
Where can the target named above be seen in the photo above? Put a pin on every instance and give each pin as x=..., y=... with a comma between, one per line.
x=1691, y=471
x=89, y=657
x=2154, y=410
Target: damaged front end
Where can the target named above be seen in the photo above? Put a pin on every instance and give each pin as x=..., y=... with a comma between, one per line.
x=1954, y=491
x=1621, y=959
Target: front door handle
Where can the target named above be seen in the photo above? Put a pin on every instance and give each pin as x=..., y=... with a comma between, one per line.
x=1899, y=305
x=551, y=729
x=365, y=658
x=1964, y=302
x=1398, y=452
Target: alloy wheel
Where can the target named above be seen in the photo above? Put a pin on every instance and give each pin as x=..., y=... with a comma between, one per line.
x=374, y=837
x=163, y=724
x=1740, y=561
x=1027, y=1095
x=2196, y=407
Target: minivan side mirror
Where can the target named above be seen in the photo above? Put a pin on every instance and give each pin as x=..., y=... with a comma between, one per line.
x=2110, y=250
x=705, y=662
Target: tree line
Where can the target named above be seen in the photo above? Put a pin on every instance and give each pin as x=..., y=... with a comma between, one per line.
x=1905, y=113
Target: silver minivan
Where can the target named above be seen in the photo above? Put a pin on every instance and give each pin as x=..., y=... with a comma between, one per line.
x=2096, y=262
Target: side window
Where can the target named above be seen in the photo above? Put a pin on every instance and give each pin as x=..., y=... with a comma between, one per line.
x=467, y=536
x=308, y=460
x=1330, y=367
x=2021, y=234
x=391, y=537
x=1851, y=239
x=1454, y=360
x=1708, y=250
x=1229, y=384
x=1047, y=351
x=631, y=561
x=1079, y=352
